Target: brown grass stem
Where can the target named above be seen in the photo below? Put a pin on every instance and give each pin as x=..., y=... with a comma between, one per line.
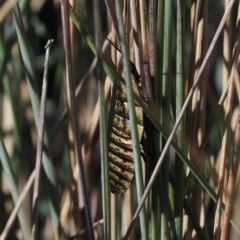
x=38, y=166
x=72, y=107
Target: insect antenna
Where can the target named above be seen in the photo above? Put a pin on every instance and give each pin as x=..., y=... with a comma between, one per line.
x=104, y=35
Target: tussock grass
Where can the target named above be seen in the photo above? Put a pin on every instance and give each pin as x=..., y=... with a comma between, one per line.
x=187, y=54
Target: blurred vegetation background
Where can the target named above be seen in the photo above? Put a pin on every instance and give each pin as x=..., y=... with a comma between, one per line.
x=168, y=41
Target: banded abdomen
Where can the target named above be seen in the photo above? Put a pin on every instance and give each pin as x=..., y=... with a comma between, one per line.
x=121, y=162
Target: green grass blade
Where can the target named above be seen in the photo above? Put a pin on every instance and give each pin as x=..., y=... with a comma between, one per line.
x=8, y=170
x=179, y=166
x=166, y=101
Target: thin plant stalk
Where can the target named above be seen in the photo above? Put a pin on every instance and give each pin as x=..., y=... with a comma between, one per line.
x=134, y=9
x=77, y=143
x=146, y=64
x=112, y=12
x=75, y=189
x=154, y=198
x=103, y=125
x=38, y=167
x=225, y=145
x=231, y=183
x=179, y=166
x=166, y=93
x=158, y=75
x=227, y=46
x=114, y=217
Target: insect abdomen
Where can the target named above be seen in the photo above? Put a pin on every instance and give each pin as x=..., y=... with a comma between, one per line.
x=121, y=162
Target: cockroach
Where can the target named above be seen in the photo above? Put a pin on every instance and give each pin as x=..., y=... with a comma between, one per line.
x=121, y=162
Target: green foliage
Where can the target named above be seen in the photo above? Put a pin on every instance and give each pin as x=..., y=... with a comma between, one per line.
x=182, y=170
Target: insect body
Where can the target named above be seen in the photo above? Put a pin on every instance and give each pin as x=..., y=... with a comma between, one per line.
x=121, y=163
